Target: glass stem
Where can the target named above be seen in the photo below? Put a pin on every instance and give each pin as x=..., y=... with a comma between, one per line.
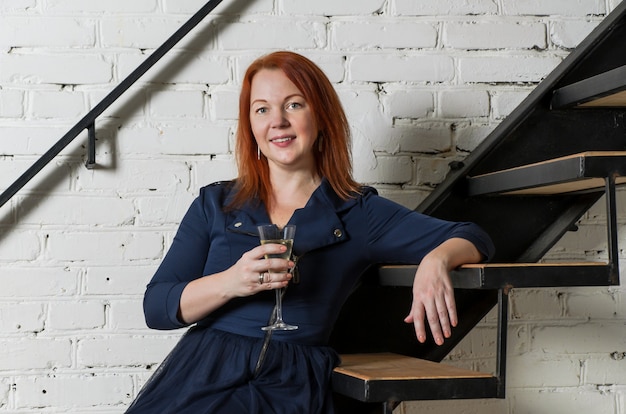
x=279, y=305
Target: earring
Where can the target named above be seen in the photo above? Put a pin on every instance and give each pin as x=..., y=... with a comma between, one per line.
x=258, y=153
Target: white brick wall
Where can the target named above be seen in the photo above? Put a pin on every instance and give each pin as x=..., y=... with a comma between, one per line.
x=423, y=83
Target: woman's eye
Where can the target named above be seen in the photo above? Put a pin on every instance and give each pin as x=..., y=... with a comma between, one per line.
x=260, y=110
x=294, y=105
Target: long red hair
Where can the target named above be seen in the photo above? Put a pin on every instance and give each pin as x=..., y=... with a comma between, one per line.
x=332, y=161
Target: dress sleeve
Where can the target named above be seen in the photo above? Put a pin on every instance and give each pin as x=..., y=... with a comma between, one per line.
x=397, y=234
x=183, y=263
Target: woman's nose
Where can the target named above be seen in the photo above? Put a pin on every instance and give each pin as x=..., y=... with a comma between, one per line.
x=279, y=119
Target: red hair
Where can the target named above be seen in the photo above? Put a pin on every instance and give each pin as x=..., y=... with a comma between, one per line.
x=332, y=161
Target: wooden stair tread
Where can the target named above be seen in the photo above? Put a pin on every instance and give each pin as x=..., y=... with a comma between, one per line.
x=390, y=366
x=389, y=377
x=573, y=173
x=509, y=275
x=605, y=90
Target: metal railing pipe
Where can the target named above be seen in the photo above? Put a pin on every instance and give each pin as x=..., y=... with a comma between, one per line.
x=88, y=120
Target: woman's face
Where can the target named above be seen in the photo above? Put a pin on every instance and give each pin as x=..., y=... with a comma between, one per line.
x=282, y=121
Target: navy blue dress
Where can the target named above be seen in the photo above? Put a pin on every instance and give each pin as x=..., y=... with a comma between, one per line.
x=215, y=366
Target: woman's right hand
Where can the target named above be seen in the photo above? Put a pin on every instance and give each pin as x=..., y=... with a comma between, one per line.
x=204, y=295
x=253, y=272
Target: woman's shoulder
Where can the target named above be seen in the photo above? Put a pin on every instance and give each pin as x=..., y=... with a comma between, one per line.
x=216, y=194
x=217, y=187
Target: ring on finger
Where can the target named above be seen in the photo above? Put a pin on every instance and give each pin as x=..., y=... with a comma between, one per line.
x=261, y=278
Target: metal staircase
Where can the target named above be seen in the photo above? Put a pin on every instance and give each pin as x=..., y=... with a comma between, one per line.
x=527, y=184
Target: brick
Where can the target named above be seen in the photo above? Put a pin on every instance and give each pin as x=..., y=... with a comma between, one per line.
x=561, y=400
x=509, y=69
x=224, y=104
x=217, y=169
x=590, y=304
x=333, y=8
x=11, y=104
x=63, y=69
x=20, y=246
x=165, y=210
x=445, y=7
x=72, y=391
x=464, y=104
x=554, y=7
x=495, y=35
x=127, y=315
x=200, y=138
x=394, y=68
x=333, y=65
x=164, y=176
x=29, y=354
x=568, y=34
x=606, y=369
x=390, y=34
x=118, y=280
x=411, y=104
x=469, y=135
x=22, y=317
x=424, y=137
x=180, y=67
x=124, y=351
x=29, y=139
x=176, y=104
x=17, y=5
x=365, y=115
x=535, y=304
x=73, y=316
x=388, y=170
x=591, y=337
x=57, y=104
x=479, y=344
x=112, y=6
x=430, y=171
x=75, y=210
x=36, y=282
x=304, y=34
x=503, y=103
x=110, y=248
x=68, y=32
x=534, y=371
x=137, y=32
x=587, y=240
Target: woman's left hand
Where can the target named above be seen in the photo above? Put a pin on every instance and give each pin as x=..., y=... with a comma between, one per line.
x=433, y=293
x=433, y=301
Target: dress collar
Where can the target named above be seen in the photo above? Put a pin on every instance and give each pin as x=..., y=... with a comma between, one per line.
x=317, y=224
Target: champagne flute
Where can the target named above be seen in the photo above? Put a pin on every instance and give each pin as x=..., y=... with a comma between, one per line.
x=272, y=234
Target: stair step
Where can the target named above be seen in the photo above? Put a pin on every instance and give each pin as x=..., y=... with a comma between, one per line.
x=382, y=377
x=606, y=90
x=510, y=275
x=584, y=171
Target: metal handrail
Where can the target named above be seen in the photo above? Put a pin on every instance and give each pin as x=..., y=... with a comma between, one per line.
x=88, y=121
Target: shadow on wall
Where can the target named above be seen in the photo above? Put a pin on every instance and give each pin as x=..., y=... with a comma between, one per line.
x=106, y=131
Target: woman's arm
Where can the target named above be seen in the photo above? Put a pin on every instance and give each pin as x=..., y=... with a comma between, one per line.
x=433, y=294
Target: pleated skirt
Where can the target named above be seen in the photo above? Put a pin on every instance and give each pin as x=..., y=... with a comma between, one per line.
x=212, y=371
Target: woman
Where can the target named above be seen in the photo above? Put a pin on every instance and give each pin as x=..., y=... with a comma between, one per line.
x=294, y=167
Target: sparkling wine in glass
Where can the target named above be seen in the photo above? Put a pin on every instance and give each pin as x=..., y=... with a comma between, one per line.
x=272, y=234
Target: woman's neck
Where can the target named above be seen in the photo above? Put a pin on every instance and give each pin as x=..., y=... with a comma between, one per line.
x=289, y=193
